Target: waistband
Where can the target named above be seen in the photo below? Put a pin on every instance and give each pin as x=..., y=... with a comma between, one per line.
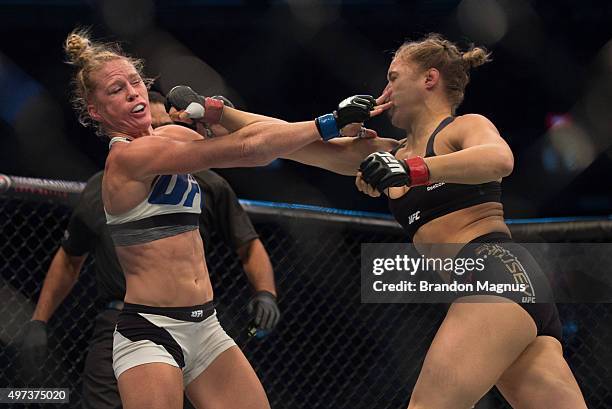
x=194, y=313
x=494, y=237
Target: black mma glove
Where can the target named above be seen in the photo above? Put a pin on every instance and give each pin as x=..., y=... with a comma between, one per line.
x=355, y=109
x=33, y=348
x=205, y=109
x=264, y=310
x=382, y=170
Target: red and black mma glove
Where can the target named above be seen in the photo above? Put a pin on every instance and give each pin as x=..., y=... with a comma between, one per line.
x=382, y=170
x=205, y=109
x=355, y=109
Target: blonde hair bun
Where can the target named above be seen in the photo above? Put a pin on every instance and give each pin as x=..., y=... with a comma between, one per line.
x=77, y=47
x=475, y=57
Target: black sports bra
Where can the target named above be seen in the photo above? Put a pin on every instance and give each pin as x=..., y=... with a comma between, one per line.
x=422, y=204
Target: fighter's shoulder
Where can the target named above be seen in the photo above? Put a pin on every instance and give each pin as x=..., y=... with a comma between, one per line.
x=127, y=154
x=472, y=122
x=177, y=132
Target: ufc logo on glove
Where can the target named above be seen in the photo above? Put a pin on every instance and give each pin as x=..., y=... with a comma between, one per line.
x=394, y=165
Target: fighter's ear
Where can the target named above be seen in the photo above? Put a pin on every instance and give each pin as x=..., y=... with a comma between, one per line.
x=432, y=77
x=93, y=113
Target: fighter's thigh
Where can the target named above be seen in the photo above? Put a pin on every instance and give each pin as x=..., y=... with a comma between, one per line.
x=228, y=382
x=151, y=386
x=472, y=348
x=541, y=378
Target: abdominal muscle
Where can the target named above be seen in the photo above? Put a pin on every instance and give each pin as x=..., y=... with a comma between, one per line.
x=169, y=272
x=464, y=225
x=445, y=236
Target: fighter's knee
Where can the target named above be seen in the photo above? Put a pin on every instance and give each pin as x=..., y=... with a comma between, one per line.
x=563, y=388
x=459, y=392
x=544, y=386
x=447, y=402
x=545, y=378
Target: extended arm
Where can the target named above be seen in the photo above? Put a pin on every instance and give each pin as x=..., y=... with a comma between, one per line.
x=257, y=143
x=186, y=105
x=234, y=119
x=254, y=145
x=219, y=110
x=341, y=155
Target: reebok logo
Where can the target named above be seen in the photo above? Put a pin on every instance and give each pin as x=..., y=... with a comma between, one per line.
x=436, y=185
x=414, y=217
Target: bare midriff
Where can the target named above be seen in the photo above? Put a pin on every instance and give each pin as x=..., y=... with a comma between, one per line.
x=464, y=225
x=169, y=272
x=436, y=238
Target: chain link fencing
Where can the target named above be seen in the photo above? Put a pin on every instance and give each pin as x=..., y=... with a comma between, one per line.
x=328, y=351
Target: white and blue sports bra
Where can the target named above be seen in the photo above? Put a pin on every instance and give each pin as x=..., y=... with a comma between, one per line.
x=172, y=207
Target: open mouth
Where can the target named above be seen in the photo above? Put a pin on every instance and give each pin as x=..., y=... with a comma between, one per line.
x=138, y=108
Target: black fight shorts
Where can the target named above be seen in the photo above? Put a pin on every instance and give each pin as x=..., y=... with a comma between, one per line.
x=508, y=265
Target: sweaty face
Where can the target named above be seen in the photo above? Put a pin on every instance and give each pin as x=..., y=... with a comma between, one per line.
x=407, y=85
x=120, y=101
